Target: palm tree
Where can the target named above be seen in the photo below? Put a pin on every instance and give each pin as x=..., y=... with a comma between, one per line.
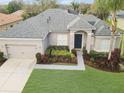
x=112, y=6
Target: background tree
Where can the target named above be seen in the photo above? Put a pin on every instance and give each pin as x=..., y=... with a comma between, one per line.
x=112, y=6
x=14, y=6
x=85, y=8
x=3, y=9
x=37, y=7
x=100, y=10
x=46, y=4
x=75, y=5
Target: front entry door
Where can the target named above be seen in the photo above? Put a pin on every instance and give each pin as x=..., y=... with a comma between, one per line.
x=78, y=40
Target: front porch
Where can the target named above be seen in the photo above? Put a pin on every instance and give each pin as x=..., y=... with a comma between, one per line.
x=80, y=39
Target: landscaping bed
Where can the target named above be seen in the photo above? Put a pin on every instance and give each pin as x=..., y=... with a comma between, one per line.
x=57, y=55
x=99, y=60
x=2, y=59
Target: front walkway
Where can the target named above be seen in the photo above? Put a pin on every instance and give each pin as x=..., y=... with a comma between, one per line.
x=14, y=74
x=79, y=66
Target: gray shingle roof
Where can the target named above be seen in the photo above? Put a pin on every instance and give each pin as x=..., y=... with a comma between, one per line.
x=59, y=19
x=90, y=18
x=82, y=24
x=103, y=31
x=38, y=27
x=55, y=20
x=100, y=23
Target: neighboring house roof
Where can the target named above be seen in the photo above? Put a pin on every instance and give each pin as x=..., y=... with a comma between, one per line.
x=2, y=15
x=18, y=13
x=10, y=18
x=54, y=20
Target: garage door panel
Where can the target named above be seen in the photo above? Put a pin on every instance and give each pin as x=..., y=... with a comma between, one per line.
x=21, y=51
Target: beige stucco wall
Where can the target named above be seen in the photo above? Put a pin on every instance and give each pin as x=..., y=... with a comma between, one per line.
x=98, y=40
x=5, y=42
x=53, y=37
x=8, y=26
x=117, y=42
x=45, y=42
x=86, y=39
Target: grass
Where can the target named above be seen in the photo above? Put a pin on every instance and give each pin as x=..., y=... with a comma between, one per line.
x=89, y=81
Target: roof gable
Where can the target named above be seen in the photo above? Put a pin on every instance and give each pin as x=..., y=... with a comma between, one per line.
x=81, y=24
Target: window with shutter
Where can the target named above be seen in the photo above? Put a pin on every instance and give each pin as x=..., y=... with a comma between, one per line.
x=62, y=40
x=105, y=44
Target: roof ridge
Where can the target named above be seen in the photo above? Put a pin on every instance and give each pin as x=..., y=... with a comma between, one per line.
x=73, y=22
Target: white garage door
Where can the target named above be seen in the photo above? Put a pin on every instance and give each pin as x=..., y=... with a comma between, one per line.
x=21, y=51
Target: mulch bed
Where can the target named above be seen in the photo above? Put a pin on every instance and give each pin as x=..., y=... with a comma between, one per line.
x=100, y=64
x=57, y=60
x=95, y=65
x=1, y=63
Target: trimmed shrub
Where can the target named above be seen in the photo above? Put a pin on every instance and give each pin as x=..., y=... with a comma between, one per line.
x=52, y=48
x=2, y=59
x=60, y=54
x=74, y=52
x=95, y=54
x=38, y=57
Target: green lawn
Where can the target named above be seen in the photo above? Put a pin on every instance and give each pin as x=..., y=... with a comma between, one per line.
x=89, y=81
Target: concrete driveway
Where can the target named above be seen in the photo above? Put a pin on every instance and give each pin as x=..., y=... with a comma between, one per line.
x=14, y=73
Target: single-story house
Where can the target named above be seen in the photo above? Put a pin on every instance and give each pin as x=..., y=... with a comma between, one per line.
x=56, y=27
